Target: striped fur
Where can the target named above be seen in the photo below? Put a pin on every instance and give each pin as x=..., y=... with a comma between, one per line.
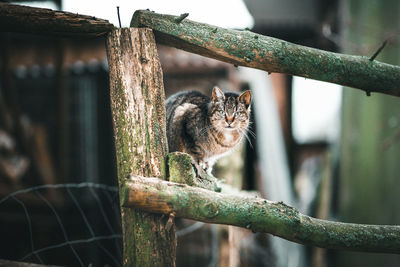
x=205, y=127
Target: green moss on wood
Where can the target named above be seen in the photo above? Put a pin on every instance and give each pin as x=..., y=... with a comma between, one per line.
x=182, y=170
x=261, y=215
x=137, y=103
x=209, y=210
x=271, y=54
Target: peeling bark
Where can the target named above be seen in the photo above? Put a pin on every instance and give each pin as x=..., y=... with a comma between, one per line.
x=245, y=48
x=258, y=215
x=138, y=109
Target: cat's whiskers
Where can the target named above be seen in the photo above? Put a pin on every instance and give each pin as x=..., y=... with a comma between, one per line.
x=244, y=133
x=251, y=132
x=206, y=129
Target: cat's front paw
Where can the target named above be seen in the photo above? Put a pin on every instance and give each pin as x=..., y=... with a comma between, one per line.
x=203, y=165
x=204, y=177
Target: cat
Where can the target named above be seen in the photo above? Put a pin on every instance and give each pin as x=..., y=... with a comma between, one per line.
x=207, y=128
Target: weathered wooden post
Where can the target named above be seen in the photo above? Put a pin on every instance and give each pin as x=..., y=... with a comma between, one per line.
x=137, y=104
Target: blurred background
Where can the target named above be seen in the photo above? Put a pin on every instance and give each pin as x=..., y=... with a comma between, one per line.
x=331, y=152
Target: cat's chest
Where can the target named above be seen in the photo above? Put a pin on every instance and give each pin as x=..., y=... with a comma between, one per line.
x=227, y=139
x=222, y=145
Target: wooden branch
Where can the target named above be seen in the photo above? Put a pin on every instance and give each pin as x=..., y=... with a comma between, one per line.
x=248, y=49
x=24, y=19
x=138, y=110
x=259, y=215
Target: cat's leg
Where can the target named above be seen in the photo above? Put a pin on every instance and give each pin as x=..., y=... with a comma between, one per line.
x=197, y=166
x=197, y=154
x=207, y=175
x=210, y=164
x=203, y=165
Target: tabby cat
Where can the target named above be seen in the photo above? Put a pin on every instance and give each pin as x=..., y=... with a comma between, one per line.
x=207, y=128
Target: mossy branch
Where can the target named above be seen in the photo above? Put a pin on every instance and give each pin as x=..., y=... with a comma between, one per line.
x=181, y=169
x=253, y=50
x=259, y=215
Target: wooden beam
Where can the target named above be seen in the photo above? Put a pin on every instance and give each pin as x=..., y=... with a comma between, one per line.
x=24, y=19
x=245, y=48
x=257, y=214
x=138, y=111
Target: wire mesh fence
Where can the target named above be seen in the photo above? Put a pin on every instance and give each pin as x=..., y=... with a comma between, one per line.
x=80, y=226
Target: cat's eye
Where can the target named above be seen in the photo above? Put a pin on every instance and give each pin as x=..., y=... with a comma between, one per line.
x=221, y=112
x=241, y=115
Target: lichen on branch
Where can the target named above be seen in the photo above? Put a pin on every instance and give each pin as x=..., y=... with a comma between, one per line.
x=245, y=48
x=259, y=215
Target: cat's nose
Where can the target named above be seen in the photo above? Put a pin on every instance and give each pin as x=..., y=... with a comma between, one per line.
x=229, y=119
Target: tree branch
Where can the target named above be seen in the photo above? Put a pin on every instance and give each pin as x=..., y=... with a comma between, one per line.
x=270, y=54
x=16, y=18
x=259, y=215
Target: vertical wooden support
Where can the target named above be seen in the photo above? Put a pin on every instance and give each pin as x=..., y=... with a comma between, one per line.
x=138, y=110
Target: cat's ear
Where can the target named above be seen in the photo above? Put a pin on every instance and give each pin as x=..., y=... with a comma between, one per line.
x=245, y=98
x=217, y=94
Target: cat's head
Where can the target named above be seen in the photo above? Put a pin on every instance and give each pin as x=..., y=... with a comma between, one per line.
x=229, y=111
